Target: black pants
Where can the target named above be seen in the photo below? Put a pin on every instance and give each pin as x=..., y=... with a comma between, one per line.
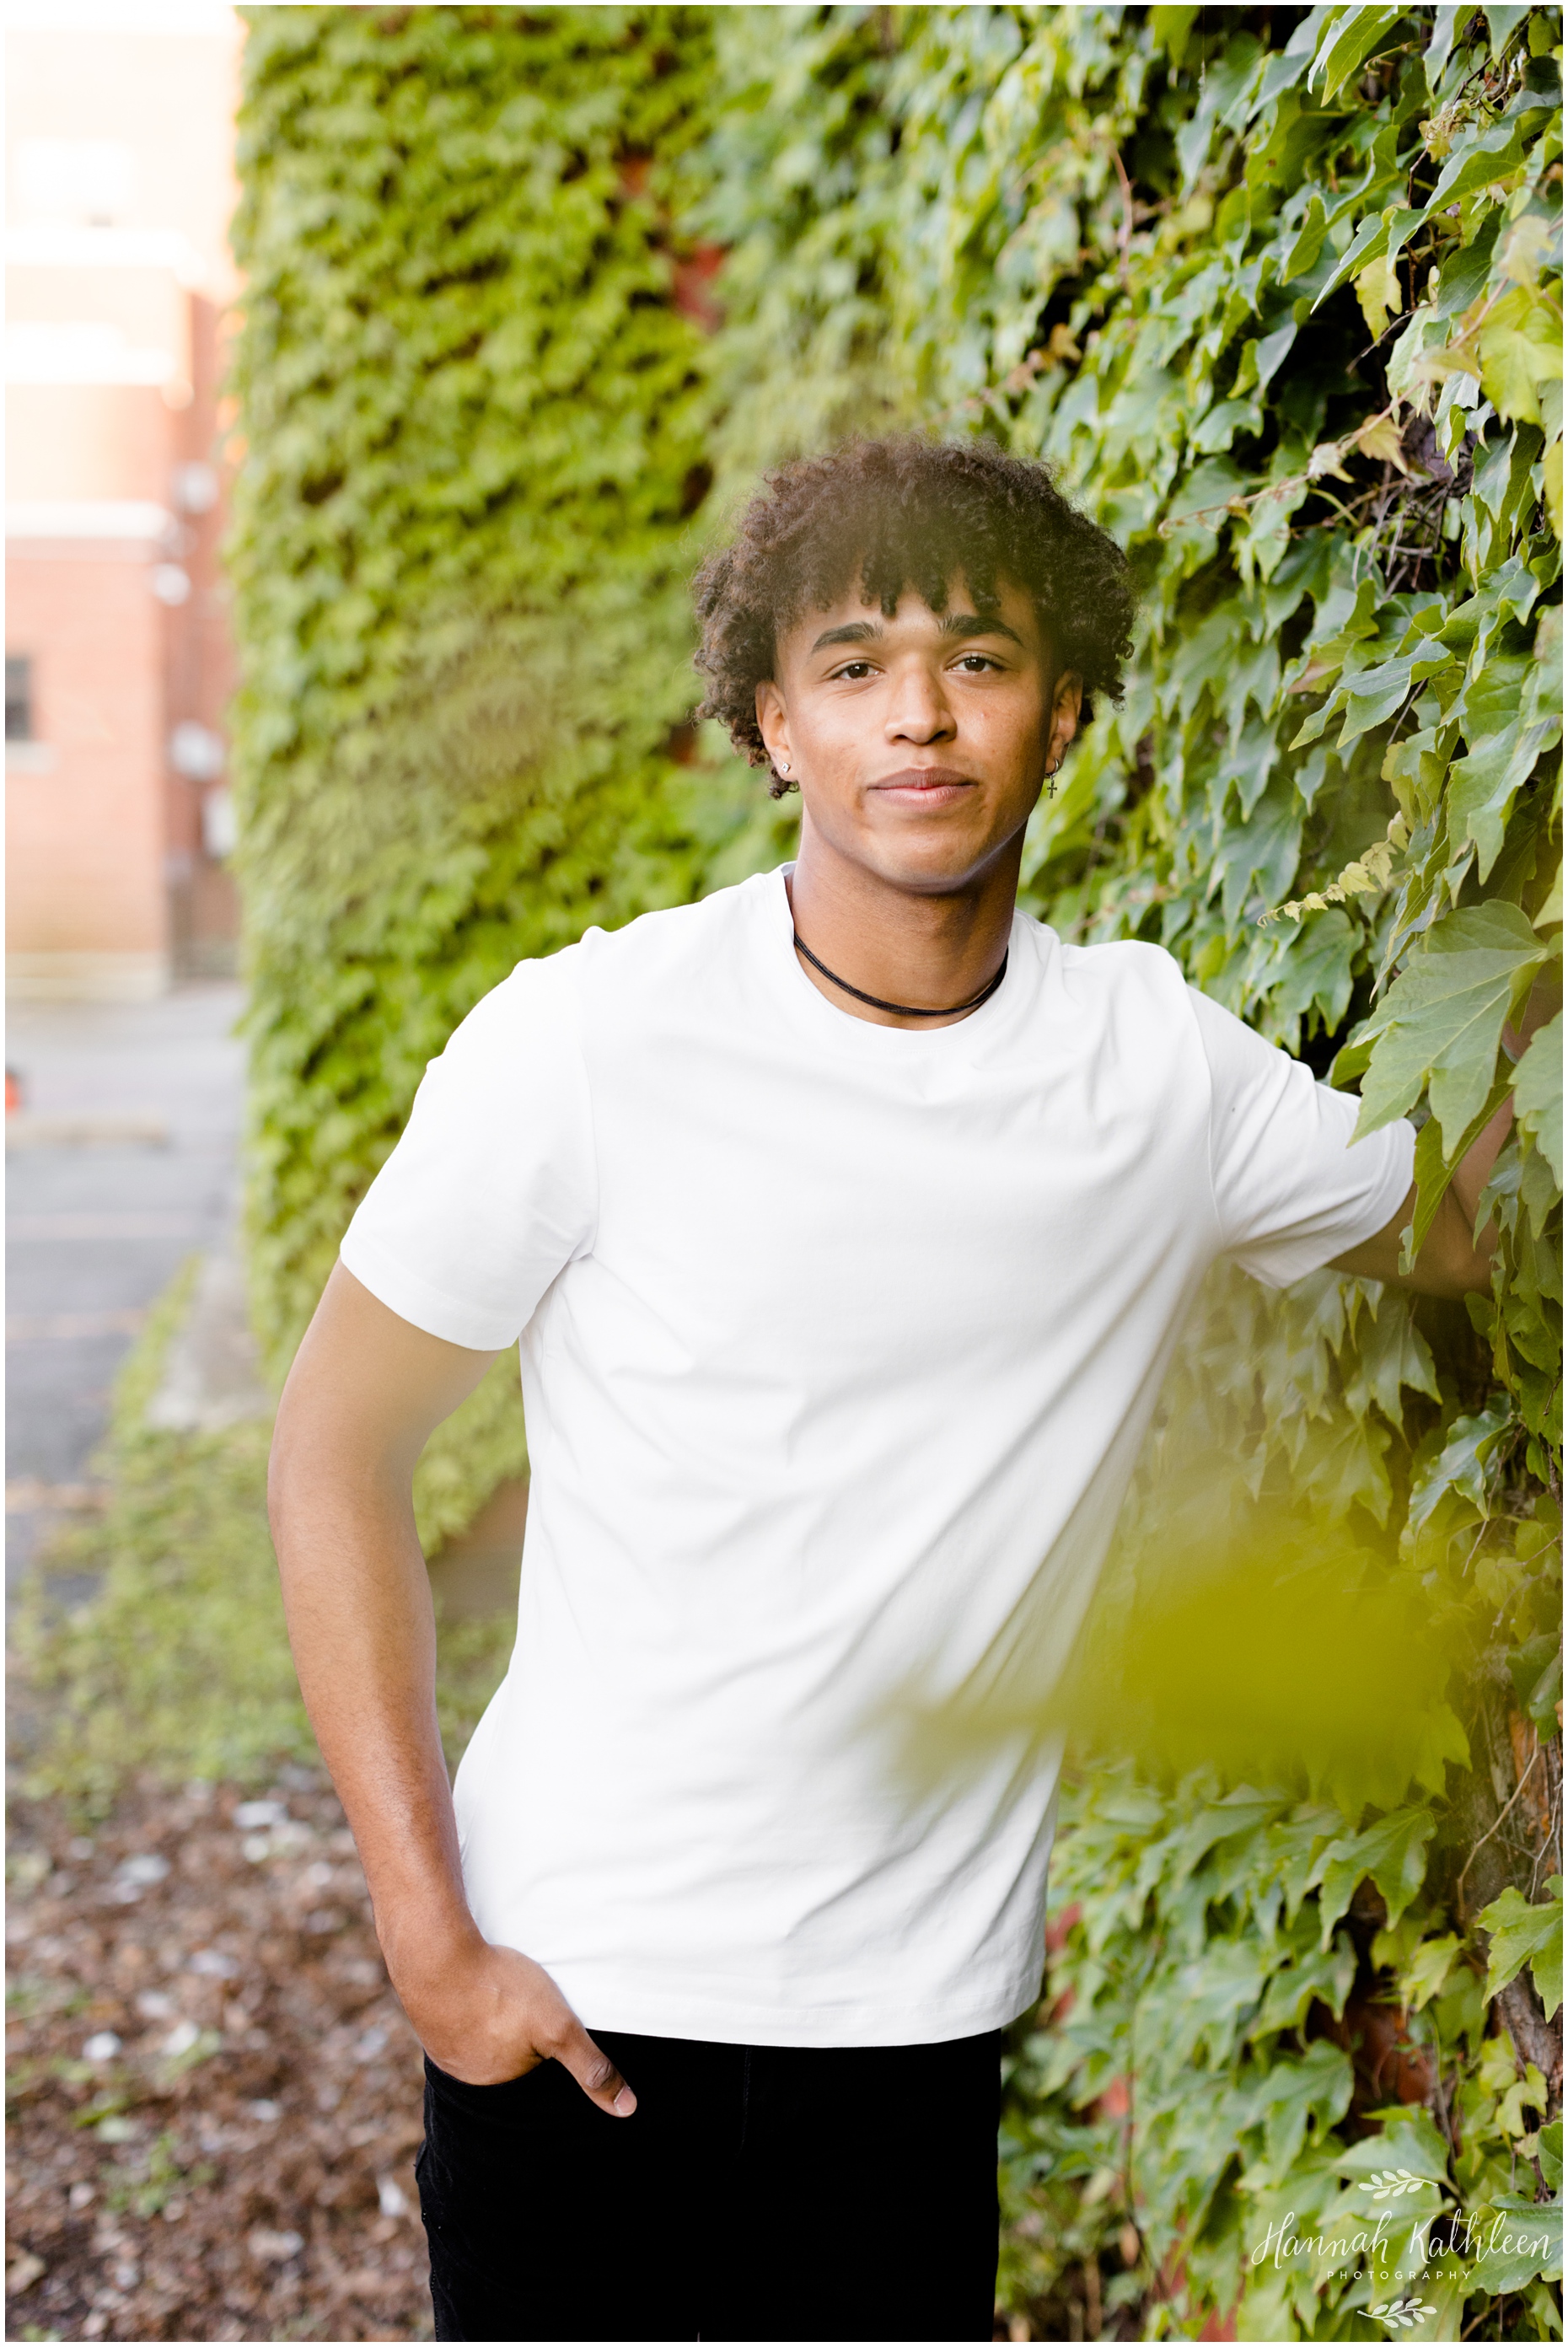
x=756, y=2192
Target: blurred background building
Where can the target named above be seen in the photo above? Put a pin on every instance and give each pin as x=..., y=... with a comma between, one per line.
x=119, y=185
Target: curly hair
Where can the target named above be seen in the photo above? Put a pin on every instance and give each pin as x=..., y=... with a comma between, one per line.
x=898, y=513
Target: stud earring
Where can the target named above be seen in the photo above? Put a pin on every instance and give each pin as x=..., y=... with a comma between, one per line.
x=783, y=766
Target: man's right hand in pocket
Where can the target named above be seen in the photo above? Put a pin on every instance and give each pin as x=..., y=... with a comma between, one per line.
x=495, y=2014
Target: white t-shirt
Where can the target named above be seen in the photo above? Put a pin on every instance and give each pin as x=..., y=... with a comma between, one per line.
x=838, y=1342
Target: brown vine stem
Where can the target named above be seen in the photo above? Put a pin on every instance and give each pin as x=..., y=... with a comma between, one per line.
x=1278, y=488
x=1475, y=1853
x=1440, y=2093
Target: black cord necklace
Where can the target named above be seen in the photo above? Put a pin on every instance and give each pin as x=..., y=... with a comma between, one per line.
x=904, y=1009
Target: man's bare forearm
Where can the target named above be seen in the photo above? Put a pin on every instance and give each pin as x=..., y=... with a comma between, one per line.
x=1451, y=1261
x=365, y=1394
x=357, y=1597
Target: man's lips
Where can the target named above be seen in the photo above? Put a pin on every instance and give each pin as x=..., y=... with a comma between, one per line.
x=926, y=787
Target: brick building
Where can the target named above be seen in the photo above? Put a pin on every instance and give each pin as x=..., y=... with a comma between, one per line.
x=119, y=161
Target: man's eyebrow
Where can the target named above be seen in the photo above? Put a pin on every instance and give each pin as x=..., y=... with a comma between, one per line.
x=971, y=623
x=858, y=631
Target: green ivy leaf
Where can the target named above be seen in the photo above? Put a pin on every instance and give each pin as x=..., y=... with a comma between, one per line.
x=1320, y=1975
x=1392, y=1851
x=1368, y=245
x=1537, y=1083
x=1309, y=244
x=1353, y=35
x=1394, y=1360
x=1518, y=2239
x=1442, y=1021
x=1501, y=23
x=1319, y=970
x=1417, y=769
x=1426, y=1974
x=1521, y=348
x=1522, y=1934
x=1292, y=2094
x=1483, y=786
x=1408, y=2140
x=1461, y=1464
x=1536, y=1670
x=1171, y=28
x=1477, y=163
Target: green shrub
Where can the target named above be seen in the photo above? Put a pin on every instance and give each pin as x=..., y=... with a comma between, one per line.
x=178, y=1664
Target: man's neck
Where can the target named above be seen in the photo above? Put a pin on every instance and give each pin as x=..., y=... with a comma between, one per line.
x=914, y=947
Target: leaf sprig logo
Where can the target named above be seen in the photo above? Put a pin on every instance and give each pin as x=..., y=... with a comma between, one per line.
x=1388, y=2183
x=1401, y=2314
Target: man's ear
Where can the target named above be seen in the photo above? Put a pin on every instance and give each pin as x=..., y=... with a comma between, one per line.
x=772, y=722
x=1067, y=703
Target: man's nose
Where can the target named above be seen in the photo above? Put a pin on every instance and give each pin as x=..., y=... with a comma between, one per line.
x=919, y=711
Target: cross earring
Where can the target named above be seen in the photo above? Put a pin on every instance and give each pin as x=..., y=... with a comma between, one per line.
x=1050, y=771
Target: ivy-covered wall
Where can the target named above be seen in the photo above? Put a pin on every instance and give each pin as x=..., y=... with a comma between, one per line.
x=1279, y=292
x=472, y=420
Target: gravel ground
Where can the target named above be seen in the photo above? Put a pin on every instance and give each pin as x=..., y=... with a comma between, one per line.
x=214, y=2098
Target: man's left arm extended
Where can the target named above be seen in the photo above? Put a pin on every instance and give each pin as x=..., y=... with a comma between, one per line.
x=1453, y=1261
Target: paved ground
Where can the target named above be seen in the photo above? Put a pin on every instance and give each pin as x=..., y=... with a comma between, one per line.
x=130, y=1120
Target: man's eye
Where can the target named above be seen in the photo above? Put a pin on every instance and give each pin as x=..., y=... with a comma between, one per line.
x=977, y=662
x=853, y=670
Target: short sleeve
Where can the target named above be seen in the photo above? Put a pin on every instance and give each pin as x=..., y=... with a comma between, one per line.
x=1292, y=1190
x=491, y=1191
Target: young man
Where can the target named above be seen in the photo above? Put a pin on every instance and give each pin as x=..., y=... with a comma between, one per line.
x=847, y=1220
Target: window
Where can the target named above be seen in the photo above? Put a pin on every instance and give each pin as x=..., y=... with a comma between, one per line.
x=18, y=698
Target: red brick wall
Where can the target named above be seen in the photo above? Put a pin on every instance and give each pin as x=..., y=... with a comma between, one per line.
x=85, y=863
